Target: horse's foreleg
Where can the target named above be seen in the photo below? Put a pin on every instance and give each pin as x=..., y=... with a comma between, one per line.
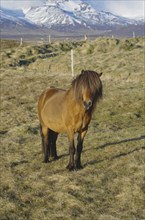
x=71, y=151
x=81, y=136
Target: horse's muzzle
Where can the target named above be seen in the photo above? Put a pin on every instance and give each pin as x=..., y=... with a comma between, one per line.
x=87, y=105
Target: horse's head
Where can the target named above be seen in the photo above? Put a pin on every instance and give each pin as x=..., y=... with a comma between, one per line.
x=89, y=88
x=87, y=98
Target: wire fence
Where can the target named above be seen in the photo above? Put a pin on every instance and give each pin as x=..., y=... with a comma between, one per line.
x=47, y=39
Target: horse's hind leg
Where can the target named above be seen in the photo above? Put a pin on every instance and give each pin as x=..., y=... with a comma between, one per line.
x=53, y=150
x=42, y=139
x=45, y=135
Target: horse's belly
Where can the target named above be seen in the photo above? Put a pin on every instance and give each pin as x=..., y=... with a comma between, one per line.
x=53, y=120
x=57, y=127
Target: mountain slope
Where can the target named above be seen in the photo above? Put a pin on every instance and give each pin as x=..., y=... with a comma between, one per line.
x=70, y=12
x=65, y=16
x=11, y=19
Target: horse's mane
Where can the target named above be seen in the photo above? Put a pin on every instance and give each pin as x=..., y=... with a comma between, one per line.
x=91, y=81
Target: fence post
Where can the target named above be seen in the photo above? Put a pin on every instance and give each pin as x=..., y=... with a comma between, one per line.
x=49, y=39
x=72, y=62
x=85, y=37
x=21, y=41
x=133, y=34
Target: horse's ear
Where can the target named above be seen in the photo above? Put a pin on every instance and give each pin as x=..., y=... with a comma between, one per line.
x=100, y=74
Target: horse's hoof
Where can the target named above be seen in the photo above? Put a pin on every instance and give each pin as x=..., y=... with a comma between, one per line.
x=46, y=161
x=70, y=167
x=56, y=158
x=79, y=167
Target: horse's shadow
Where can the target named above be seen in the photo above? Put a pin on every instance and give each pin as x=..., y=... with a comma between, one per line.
x=118, y=155
x=122, y=141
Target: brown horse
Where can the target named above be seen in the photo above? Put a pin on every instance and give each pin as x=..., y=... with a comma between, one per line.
x=68, y=111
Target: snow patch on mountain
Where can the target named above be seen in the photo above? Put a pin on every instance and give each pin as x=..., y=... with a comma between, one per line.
x=70, y=12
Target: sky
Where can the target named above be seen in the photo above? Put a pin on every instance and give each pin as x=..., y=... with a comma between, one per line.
x=126, y=8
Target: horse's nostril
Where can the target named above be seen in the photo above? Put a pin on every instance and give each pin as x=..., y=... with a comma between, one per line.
x=90, y=103
x=87, y=105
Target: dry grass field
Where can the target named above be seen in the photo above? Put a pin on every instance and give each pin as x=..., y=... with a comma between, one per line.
x=111, y=184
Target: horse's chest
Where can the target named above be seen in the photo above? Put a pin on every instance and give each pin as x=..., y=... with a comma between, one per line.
x=77, y=127
x=78, y=123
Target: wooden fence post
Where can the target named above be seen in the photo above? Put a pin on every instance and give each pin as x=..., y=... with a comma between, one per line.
x=21, y=41
x=85, y=37
x=49, y=39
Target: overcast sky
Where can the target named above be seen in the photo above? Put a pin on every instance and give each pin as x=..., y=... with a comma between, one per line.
x=126, y=8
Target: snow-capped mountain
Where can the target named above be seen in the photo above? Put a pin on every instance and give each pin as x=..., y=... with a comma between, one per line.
x=73, y=13
x=64, y=16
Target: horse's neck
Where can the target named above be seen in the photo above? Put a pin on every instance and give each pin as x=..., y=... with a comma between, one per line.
x=70, y=97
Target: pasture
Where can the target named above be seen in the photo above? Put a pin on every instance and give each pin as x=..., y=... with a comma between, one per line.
x=111, y=184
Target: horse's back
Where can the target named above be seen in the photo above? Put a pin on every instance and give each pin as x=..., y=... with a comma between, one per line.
x=47, y=94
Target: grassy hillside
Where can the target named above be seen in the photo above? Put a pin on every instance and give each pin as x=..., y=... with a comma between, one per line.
x=111, y=184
